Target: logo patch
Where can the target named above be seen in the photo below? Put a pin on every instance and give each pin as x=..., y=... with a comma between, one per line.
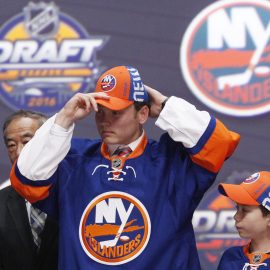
x=251, y=179
x=108, y=83
x=115, y=228
x=116, y=163
x=257, y=258
x=45, y=58
x=224, y=57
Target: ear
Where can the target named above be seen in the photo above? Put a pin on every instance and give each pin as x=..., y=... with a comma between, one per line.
x=143, y=114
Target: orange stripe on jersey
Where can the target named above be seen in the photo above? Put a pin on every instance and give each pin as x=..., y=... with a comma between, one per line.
x=31, y=193
x=219, y=147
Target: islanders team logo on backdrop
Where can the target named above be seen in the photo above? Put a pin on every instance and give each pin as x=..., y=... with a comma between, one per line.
x=225, y=57
x=46, y=57
x=114, y=228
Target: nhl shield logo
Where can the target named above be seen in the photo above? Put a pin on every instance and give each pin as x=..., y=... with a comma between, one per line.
x=115, y=228
x=116, y=163
x=41, y=20
x=224, y=57
x=257, y=258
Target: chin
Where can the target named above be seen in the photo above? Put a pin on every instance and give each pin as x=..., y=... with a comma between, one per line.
x=243, y=235
x=109, y=141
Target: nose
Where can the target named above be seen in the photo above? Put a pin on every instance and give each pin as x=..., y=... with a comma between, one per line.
x=237, y=216
x=104, y=118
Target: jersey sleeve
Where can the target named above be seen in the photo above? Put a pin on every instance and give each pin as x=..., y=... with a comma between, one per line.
x=32, y=174
x=201, y=134
x=223, y=263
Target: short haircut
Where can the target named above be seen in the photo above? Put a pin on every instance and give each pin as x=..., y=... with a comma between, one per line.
x=24, y=113
x=138, y=105
x=265, y=211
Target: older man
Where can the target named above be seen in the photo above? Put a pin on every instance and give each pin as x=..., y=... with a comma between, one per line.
x=28, y=239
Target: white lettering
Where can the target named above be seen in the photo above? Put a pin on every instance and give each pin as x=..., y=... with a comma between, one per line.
x=233, y=30
x=225, y=221
x=266, y=202
x=108, y=211
x=84, y=48
x=206, y=220
x=137, y=85
x=47, y=52
x=30, y=51
x=5, y=50
x=135, y=96
x=23, y=51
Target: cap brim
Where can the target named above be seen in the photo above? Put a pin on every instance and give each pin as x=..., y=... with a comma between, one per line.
x=237, y=194
x=115, y=103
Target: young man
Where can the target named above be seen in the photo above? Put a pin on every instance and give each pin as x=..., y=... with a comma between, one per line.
x=252, y=220
x=125, y=200
x=18, y=249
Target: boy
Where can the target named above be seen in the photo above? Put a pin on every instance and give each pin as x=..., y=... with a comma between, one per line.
x=124, y=201
x=252, y=221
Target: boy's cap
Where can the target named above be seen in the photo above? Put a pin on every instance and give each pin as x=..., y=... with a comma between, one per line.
x=254, y=190
x=124, y=86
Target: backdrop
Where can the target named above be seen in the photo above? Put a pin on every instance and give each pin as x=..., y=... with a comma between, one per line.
x=201, y=51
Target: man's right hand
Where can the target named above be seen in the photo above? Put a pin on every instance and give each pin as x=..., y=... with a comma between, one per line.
x=78, y=107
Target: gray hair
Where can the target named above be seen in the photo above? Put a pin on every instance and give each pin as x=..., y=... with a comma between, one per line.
x=24, y=113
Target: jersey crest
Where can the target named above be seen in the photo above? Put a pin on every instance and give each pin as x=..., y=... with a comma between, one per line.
x=115, y=228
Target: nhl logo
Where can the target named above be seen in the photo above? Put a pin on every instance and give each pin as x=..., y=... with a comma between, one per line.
x=116, y=163
x=257, y=258
x=41, y=20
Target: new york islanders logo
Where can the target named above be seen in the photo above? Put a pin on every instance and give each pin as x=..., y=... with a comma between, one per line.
x=251, y=179
x=114, y=228
x=225, y=57
x=46, y=57
x=108, y=83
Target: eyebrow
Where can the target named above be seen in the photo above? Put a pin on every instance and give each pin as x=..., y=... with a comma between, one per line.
x=25, y=135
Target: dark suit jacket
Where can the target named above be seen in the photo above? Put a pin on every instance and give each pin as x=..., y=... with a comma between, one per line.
x=17, y=250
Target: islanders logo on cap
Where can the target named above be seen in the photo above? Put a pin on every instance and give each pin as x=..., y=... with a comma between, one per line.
x=115, y=228
x=252, y=178
x=46, y=57
x=108, y=83
x=225, y=58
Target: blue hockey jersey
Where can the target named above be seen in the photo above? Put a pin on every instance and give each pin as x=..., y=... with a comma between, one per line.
x=239, y=257
x=130, y=212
